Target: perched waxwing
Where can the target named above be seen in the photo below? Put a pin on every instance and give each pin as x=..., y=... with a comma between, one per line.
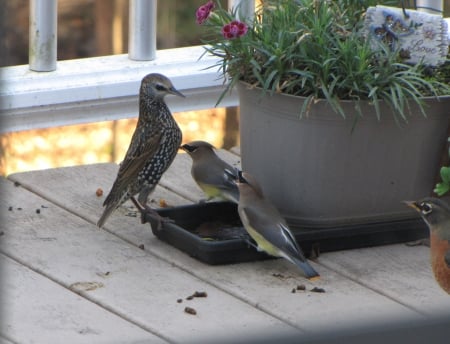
x=214, y=176
x=267, y=227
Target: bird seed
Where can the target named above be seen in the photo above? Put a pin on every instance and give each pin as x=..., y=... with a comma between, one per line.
x=190, y=310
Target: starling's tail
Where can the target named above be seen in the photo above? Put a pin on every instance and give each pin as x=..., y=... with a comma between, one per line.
x=307, y=269
x=108, y=210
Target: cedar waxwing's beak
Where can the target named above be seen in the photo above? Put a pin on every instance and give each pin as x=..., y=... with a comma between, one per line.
x=187, y=148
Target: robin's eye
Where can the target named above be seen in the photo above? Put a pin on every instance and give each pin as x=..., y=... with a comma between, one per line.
x=426, y=208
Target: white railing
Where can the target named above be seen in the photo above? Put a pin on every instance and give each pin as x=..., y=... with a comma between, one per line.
x=48, y=93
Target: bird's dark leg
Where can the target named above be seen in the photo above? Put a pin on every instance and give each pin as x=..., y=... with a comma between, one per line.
x=420, y=242
x=150, y=215
x=250, y=242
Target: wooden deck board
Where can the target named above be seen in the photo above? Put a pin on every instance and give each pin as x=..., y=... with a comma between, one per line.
x=253, y=283
x=401, y=272
x=39, y=309
x=120, y=277
x=4, y=340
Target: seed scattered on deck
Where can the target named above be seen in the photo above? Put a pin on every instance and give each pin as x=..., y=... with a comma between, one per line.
x=190, y=310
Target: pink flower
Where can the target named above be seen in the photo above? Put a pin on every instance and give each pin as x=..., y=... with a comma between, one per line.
x=234, y=29
x=203, y=12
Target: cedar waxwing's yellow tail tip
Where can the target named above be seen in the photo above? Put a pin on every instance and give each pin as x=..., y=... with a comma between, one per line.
x=307, y=269
x=314, y=278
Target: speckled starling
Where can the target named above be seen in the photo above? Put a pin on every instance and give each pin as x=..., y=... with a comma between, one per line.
x=214, y=176
x=153, y=147
x=266, y=226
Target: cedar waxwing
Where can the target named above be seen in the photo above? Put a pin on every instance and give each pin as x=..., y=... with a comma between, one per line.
x=152, y=149
x=214, y=176
x=267, y=227
x=436, y=215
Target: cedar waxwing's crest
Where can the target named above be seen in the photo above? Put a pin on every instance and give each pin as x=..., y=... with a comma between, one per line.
x=247, y=178
x=241, y=178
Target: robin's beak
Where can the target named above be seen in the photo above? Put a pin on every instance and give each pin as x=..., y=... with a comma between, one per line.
x=412, y=205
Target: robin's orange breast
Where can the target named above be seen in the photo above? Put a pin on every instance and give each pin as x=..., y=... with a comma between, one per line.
x=439, y=248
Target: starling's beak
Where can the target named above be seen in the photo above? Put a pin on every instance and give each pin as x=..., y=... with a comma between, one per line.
x=175, y=92
x=412, y=205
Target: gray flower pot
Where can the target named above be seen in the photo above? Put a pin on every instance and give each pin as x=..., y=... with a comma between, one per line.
x=320, y=174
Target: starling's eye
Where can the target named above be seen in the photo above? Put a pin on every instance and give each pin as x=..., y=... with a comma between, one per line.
x=160, y=87
x=426, y=208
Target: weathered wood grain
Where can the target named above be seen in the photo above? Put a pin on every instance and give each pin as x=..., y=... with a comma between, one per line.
x=38, y=310
x=120, y=277
x=401, y=272
x=253, y=283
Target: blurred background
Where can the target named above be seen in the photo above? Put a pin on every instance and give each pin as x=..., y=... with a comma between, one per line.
x=88, y=28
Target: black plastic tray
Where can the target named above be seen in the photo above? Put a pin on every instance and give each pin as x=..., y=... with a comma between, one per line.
x=225, y=240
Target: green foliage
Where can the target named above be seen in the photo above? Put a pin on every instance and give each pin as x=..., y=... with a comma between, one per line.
x=316, y=49
x=443, y=187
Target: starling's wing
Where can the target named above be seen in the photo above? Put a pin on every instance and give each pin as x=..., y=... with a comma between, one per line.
x=132, y=165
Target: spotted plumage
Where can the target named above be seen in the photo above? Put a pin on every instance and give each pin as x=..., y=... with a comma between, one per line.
x=153, y=146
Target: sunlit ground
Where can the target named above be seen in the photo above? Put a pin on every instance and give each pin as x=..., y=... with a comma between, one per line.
x=96, y=142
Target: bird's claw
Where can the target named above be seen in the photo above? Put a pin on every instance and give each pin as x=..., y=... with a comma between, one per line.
x=149, y=215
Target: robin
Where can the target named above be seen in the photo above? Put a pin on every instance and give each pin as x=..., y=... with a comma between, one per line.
x=436, y=215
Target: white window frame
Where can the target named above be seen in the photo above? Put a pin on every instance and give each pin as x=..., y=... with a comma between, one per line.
x=104, y=88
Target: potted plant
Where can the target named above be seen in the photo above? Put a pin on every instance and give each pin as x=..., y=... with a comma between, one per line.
x=337, y=132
